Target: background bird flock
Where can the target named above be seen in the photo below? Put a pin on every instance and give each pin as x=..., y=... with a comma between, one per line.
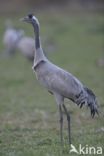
x=28, y=115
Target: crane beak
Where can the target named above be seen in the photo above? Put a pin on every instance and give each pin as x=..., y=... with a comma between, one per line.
x=25, y=19
x=22, y=19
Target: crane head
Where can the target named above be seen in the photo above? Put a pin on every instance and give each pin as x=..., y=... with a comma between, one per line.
x=30, y=18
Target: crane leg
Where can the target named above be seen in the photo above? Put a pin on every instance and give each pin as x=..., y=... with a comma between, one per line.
x=61, y=124
x=68, y=120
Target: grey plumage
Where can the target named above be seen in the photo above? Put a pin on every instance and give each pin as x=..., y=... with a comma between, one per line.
x=59, y=82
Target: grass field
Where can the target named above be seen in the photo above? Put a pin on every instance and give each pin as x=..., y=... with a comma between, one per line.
x=29, y=121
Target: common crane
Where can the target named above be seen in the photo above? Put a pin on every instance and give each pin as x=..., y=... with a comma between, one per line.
x=11, y=38
x=59, y=82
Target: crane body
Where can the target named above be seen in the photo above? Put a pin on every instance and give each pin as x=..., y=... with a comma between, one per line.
x=57, y=80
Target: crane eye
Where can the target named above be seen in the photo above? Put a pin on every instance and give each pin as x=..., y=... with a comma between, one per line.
x=30, y=16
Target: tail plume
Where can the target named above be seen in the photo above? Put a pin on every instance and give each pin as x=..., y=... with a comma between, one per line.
x=91, y=102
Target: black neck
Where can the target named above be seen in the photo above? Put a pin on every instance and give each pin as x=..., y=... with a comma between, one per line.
x=37, y=39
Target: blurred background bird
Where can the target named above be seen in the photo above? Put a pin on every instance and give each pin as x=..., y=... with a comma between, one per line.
x=11, y=38
x=27, y=47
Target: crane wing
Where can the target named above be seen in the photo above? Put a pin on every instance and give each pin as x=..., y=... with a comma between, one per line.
x=64, y=83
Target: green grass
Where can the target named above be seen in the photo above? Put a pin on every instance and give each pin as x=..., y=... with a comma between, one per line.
x=29, y=122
